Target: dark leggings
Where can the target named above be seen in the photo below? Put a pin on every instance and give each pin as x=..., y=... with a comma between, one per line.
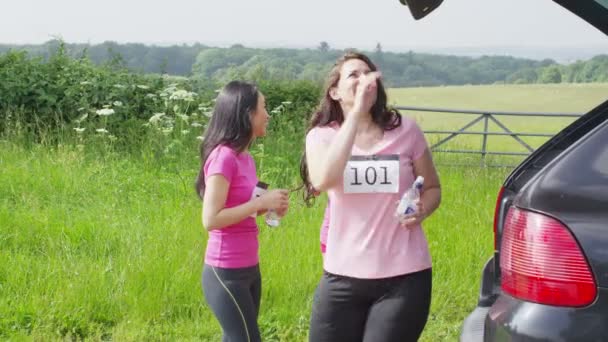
x=370, y=310
x=234, y=297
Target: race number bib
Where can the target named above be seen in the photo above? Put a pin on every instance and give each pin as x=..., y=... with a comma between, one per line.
x=372, y=174
x=258, y=191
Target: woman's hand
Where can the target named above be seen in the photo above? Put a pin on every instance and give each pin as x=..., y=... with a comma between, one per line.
x=414, y=219
x=282, y=211
x=366, y=93
x=277, y=199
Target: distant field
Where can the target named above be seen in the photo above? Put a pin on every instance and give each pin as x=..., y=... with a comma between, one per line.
x=558, y=98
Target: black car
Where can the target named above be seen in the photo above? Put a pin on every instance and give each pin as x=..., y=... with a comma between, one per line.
x=548, y=277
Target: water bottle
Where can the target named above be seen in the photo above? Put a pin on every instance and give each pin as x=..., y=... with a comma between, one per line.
x=272, y=218
x=407, y=204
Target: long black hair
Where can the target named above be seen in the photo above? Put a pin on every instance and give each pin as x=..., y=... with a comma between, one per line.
x=230, y=123
x=329, y=111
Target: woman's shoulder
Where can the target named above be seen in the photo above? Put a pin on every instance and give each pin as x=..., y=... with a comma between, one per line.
x=223, y=152
x=408, y=125
x=407, y=122
x=331, y=126
x=325, y=131
x=223, y=149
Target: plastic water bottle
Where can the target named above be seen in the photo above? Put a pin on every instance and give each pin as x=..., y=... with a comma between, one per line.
x=272, y=218
x=407, y=204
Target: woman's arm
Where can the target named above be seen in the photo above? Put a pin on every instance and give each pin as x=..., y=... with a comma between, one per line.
x=326, y=163
x=431, y=190
x=215, y=215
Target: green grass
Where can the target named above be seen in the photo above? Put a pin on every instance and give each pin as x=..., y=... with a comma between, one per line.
x=110, y=247
x=99, y=245
x=552, y=98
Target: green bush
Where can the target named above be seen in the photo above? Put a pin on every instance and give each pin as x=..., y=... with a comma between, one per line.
x=106, y=109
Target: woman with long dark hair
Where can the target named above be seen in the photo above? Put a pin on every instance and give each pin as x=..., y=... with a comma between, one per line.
x=376, y=284
x=231, y=275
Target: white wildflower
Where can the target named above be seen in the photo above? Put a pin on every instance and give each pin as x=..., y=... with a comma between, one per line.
x=156, y=118
x=82, y=117
x=141, y=86
x=179, y=95
x=101, y=130
x=196, y=124
x=79, y=130
x=105, y=111
x=117, y=104
x=185, y=131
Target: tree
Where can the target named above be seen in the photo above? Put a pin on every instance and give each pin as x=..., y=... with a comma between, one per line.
x=379, y=56
x=527, y=75
x=550, y=74
x=323, y=46
x=378, y=48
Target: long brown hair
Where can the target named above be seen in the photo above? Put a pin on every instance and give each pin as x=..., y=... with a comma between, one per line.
x=230, y=123
x=329, y=111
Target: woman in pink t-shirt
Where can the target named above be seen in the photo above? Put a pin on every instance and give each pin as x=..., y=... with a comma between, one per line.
x=231, y=275
x=376, y=284
x=324, y=229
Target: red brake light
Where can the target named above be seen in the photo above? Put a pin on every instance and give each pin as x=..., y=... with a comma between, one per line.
x=541, y=262
x=496, y=213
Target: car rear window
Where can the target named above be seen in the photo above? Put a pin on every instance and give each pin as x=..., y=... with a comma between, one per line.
x=590, y=162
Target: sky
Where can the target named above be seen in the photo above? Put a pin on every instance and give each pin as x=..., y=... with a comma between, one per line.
x=457, y=24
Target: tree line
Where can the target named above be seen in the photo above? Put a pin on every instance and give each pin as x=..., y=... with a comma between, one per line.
x=400, y=69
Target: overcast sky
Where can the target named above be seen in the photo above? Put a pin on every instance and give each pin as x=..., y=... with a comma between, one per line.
x=287, y=23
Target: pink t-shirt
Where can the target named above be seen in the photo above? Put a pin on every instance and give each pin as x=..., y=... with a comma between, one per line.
x=324, y=228
x=234, y=246
x=365, y=238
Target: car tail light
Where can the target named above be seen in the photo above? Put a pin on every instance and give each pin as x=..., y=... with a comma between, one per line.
x=541, y=261
x=497, y=215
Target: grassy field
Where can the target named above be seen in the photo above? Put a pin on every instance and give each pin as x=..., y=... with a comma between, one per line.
x=558, y=98
x=109, y=246
x=113, y=248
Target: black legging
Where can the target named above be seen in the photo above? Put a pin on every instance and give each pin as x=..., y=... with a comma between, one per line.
x=371, y=310
x=234, y=297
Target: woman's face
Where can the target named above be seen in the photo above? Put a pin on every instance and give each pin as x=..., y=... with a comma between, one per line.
x=259, y=118
x=346, y=88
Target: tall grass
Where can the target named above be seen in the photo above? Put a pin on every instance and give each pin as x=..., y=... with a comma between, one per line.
x=103, y=242
x=110, y=246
